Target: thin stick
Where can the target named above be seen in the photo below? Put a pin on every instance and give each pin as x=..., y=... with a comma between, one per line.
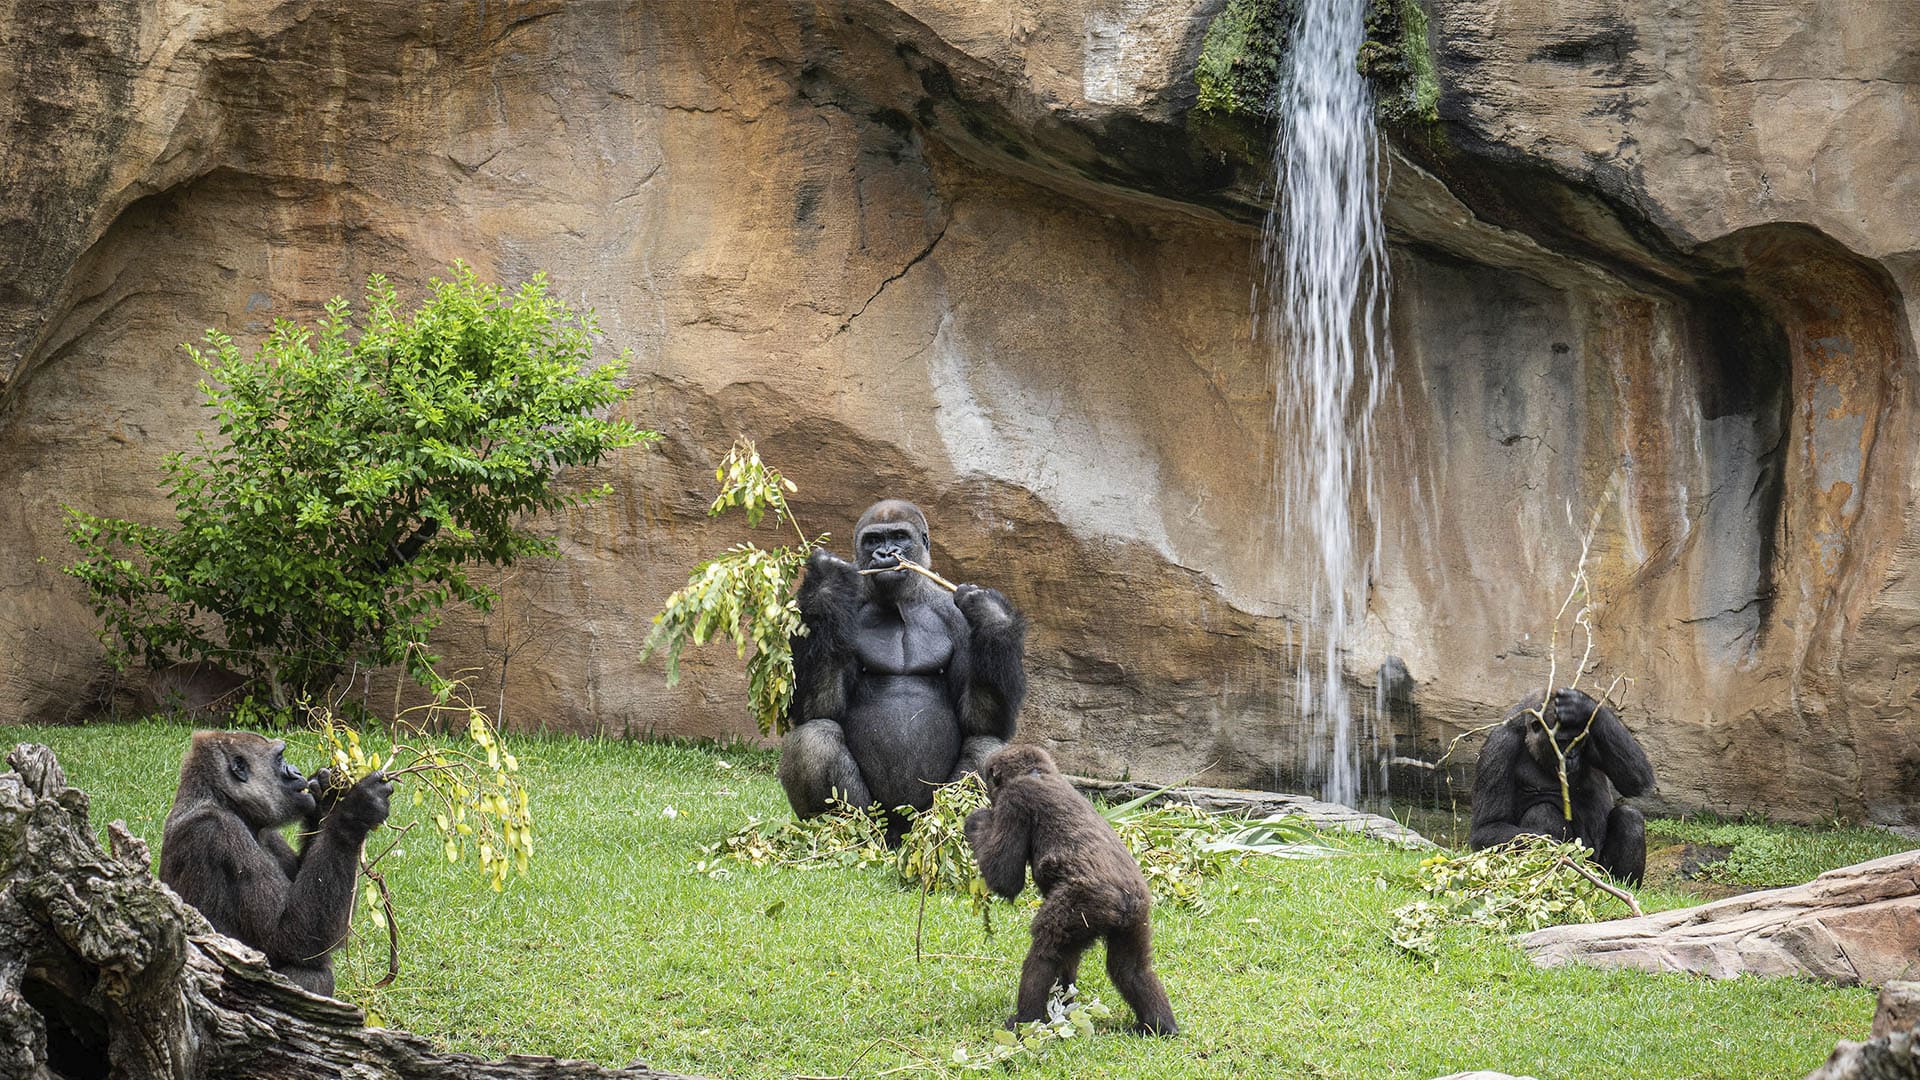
x=920, y=919
x=918, y=569
x=970, y=957
x=393, y=929
x=1618, y=893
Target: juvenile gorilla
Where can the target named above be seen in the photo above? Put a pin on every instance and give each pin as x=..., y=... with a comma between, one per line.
x=1516, y=786
x=1092, y=885
x=223, y=854
x=898, y=686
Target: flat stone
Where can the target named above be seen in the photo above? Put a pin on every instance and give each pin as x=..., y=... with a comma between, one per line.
x=1262, y=804
x=1858, y=925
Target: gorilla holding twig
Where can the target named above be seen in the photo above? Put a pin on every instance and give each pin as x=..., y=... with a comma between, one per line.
x=1093, y=886
x=899, y=686
x=223, y=854
x=1516, y=785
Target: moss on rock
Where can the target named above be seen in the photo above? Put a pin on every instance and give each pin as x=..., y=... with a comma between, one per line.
x=1241, y=58
x=1396, y=59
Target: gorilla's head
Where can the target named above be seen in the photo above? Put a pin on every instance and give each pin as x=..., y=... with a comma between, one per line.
x=891, y=532
x=1571, y=714
x=249, y=773
x=1013, y=762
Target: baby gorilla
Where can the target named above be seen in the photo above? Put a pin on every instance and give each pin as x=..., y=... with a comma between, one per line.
x=223, y=853
x=1092, y=885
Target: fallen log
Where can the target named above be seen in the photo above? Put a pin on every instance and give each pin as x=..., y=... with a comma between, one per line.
x=104, y=972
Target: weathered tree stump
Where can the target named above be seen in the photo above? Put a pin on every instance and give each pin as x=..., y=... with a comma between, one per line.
x=1893, y=1050
x=1858, y=925
x=105, y=973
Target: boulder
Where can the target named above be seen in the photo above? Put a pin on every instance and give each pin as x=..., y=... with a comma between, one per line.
x=1858, y=925
x=1892, y=1052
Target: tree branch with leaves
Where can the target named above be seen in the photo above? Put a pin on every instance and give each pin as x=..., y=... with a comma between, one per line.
x=747, y=593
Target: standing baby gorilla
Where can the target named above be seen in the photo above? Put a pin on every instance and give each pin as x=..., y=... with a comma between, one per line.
x=898, y=686
x=223, y=854
x=1516, y=785
x=1092, y=885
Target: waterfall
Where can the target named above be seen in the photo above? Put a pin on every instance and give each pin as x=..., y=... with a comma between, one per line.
x=1320, y=308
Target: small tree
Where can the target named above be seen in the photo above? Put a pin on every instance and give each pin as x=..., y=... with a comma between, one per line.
x=354, y=479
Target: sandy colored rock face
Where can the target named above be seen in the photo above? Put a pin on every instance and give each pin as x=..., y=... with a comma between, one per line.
x=978, y=255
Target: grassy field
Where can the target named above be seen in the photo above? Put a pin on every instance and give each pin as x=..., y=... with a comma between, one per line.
x=613, y=950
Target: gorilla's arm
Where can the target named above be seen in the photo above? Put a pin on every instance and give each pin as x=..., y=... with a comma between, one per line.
x=1619, y=755
x=1002, y=839
x=823, y=657
x=276, y=846
x=240, y=886
x=996, y=677
x=1495, y=819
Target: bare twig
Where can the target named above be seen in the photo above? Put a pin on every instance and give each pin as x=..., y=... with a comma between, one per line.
x=1618, y=893
x=971, y=957
x=920, y=920
x=393, y=928
x=906, y=564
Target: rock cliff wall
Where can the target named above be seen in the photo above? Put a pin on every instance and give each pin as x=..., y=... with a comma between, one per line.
x=990, y=257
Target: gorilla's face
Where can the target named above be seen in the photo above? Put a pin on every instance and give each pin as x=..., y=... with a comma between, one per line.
x=890, y=543
x=262, y=786
x=1571, y=746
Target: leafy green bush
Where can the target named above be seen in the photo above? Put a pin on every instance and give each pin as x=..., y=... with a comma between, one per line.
x=355, y=478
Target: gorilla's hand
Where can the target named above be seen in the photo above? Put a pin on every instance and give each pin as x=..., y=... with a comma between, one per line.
x=326, y=788
x=363, y=808
x=826, y=568
x=1573, y=709
x=976, y=824
x=982, y=607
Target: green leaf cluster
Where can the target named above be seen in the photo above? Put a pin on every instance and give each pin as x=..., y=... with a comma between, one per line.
x=1068, y=1018
x=846, y=836
x=745, y=594
x=1525, y=884
x=934, y=855
x=354, y=476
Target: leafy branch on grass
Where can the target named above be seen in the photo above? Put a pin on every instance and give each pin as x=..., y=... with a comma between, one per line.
x=1524, y=884
x=1177, y=846
x=745, y=594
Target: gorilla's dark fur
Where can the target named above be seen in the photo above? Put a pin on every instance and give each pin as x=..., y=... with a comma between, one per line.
x=223, y=854
x=1516, y=786
x=1092, y=885
x=898, y=686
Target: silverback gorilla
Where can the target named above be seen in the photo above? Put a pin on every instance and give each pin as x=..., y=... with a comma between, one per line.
x=898, y=686
x=223, y=854
x=1092, y=885
x=1516, y=786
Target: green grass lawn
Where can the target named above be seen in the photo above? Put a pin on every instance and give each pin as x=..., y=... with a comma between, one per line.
x=613, y=950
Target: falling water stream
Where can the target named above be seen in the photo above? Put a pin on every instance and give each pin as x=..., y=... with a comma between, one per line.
x=1320, y=307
